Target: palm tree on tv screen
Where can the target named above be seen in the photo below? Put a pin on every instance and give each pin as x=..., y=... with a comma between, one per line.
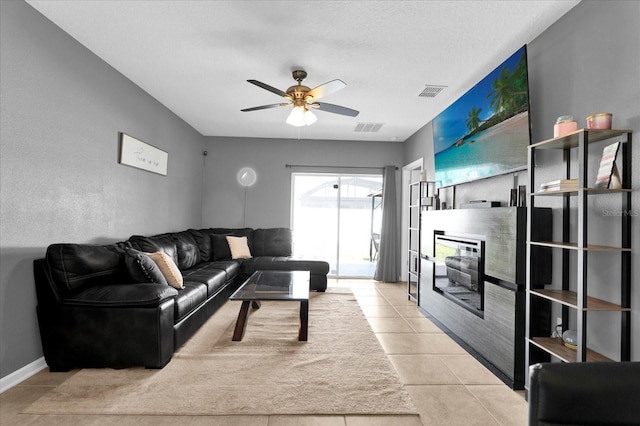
x=509, y=91
x=473, y=119
x=501, y=94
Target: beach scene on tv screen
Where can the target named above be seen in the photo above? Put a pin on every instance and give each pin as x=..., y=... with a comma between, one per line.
x=486, y=131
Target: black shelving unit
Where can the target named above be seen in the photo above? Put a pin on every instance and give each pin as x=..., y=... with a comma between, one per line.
x=575, y=252
x=420, y=199
x=413, y=270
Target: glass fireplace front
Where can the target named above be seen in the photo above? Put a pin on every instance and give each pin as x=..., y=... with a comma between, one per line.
x=459, y=271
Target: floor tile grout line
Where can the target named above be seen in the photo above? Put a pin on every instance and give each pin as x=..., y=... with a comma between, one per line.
x=487, y=409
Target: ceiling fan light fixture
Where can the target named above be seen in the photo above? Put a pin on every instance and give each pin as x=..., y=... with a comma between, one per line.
x=296, y=117
x=301, y=116
x=309, y=117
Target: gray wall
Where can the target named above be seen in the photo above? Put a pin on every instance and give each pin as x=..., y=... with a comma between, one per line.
x=62, y=109
x=587, y=62
x=268, y=201
x=420, y=145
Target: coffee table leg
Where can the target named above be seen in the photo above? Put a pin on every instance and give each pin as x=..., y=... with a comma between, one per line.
x=241, y=323
x=304, y=321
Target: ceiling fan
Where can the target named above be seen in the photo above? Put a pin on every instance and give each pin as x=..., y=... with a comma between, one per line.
x=303, y=98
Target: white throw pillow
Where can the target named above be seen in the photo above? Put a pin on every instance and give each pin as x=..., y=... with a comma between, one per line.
x=239, y=247
x=168, y=268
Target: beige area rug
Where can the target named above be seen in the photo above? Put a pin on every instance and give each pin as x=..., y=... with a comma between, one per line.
x=342, y=369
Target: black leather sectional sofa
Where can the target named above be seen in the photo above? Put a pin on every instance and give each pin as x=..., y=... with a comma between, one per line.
x=94, y=311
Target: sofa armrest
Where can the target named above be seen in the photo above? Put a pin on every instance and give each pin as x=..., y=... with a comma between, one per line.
x=103, y=336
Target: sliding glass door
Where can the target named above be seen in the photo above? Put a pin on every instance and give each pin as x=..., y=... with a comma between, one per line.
x=337, y=217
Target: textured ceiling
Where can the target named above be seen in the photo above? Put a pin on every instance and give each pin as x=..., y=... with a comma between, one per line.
x=195, y=56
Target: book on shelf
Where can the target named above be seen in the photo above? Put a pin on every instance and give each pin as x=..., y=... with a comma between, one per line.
x=560, y=185
x=608, y=176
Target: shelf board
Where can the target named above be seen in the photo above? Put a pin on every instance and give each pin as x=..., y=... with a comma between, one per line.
x=571, y=140
x=589, y=191
x=570, y=298
x=555, y=347
x=574, y=246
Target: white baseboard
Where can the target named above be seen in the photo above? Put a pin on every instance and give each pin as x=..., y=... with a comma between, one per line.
x=22, y=374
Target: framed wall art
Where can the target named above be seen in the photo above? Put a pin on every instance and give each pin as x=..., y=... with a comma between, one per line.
x=135, y=153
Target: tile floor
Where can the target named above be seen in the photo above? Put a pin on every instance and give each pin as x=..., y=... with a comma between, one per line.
x=447, y=385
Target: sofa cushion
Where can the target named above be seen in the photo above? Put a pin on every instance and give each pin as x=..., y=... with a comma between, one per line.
x=168, y=268
x=230, y=268
x=161, y=242
x=271, y=242
x=142, y=268
x=203, y=241
x=239, y=247
x=73, y=266
x=187, y=248
x=189, y=298
x=214, y=278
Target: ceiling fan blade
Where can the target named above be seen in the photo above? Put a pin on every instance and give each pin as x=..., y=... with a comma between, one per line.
x=264, y=107
x=327, y=88
x=267, y=87
x=336, y=109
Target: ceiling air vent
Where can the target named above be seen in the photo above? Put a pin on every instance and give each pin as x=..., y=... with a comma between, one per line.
x=431, y=91
x=368, y=127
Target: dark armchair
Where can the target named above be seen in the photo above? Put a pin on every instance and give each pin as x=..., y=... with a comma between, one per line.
x=591, y=393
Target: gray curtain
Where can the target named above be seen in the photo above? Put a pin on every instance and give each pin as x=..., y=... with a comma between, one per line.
x=388, y=267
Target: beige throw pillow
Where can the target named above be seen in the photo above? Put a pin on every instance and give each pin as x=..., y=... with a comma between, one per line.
x=239, y=247
x=168, y=268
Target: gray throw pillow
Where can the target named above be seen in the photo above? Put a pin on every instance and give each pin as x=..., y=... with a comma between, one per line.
x=142, y=268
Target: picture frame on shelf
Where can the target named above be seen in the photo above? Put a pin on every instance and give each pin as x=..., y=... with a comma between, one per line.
x=608, y=175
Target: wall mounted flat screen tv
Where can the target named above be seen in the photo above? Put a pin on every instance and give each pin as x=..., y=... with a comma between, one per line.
x=486, y=131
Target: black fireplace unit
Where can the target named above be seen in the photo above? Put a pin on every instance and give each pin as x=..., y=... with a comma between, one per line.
x=492, y=328
x=459, y=270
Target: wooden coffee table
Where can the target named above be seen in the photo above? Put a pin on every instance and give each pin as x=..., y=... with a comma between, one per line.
x=286, y=286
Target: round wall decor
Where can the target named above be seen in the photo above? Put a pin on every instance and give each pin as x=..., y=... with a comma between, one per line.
x=247, y=176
